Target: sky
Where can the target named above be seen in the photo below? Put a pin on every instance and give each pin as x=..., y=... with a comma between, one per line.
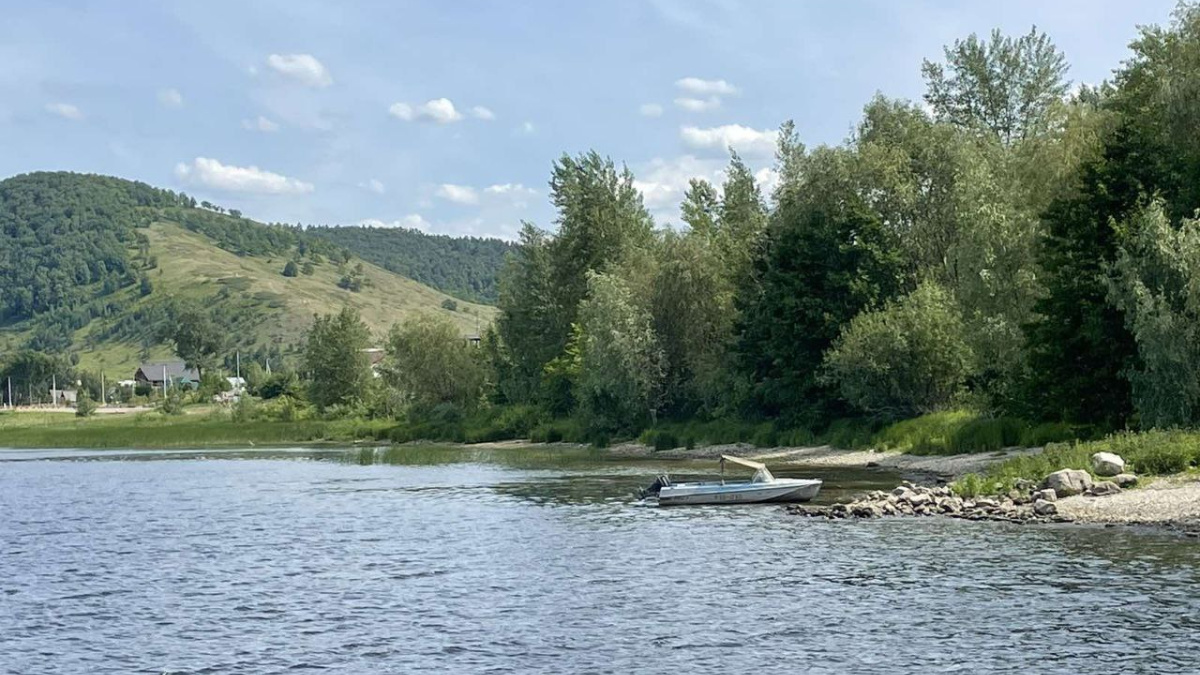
x=447, y=116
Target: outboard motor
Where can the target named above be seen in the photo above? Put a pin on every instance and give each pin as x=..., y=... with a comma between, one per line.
x=659, y=483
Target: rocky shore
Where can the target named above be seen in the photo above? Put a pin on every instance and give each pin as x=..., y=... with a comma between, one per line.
x=1064, y=496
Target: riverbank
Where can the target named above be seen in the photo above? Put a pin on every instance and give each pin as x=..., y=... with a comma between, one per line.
x=931, y=468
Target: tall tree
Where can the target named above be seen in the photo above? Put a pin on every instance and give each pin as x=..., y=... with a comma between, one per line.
x=529, y=321
x=337, y=368
x=198, y=339
x=1008, y=87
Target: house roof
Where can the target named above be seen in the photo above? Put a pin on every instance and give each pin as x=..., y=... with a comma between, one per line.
x=175, y=370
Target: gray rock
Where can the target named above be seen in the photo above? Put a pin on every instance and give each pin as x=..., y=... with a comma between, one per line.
x=919, y=499
x=1048, y=495
x=902, y=491
x=1125, y=480
x=984, y=503
x=1107, y=464
x=1104, y=488
x=1044, y=508
x=1067, y=482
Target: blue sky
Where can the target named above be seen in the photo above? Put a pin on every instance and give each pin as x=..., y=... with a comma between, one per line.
x=447, y=115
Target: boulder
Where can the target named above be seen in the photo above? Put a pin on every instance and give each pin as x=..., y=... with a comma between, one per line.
x=902, y=491
x=1047, y=495
x=1067, y=482
x=984, y=503
x=1104, y=488
x=1125, y=480
x=1044, y=508
x=919, y=499
x=1107, y=464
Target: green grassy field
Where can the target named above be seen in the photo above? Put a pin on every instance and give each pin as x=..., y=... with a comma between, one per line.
x=155, y=430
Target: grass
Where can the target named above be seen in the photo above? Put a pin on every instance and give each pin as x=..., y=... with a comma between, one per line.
x=958, y=432
x=154, y=430
x=1149, y=453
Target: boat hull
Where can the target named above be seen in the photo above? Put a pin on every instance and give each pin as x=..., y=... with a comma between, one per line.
x=777, y=491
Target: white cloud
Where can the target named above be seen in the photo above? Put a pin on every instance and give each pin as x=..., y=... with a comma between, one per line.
x=527, y=128
x=303, y=68
x=698, y=104
x=662, y=182
x=260, y=124
x=459, y=194
x=438, y=110
x=482, y=113
x=412, y=221
x=213, y=174
x=767, y=179
x=374, y=185
x=516, y=193
x=64, y=110
x=170, y=98
x=747, y=141
x=699, y=87
x=651, y=110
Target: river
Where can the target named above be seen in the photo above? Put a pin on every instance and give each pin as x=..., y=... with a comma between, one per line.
x=537, y=561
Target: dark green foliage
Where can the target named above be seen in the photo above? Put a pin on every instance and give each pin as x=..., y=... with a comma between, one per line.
x=449, y=305
x=290, y=269
x=466, y=267
x=67, y=238
x=145, y=287
x=198, y=339
x=827, y=258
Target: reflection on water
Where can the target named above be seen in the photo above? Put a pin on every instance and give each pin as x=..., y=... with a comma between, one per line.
x=536, y=560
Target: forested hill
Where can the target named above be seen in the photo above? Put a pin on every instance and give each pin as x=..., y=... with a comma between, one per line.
x=96, y=268
x=467, y=267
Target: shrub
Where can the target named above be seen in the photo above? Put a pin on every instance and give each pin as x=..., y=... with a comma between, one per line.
x=908, y=358
x=84, y=405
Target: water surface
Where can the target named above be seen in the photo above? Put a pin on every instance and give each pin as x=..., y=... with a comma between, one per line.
x=538, y=561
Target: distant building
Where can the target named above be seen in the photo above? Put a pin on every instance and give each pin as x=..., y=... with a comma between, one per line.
x=474, y=340
x=176, y=372
x=375, y=357
x=64, y=396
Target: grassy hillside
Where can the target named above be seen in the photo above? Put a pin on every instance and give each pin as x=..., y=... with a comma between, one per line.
x=161, y=251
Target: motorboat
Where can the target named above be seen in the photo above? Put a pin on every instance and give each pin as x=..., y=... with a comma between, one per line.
x=762, y=487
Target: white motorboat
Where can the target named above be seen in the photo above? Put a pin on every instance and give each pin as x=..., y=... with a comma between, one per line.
x=763, y=487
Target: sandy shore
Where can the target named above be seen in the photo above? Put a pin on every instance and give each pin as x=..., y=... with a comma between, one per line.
x=947, y=467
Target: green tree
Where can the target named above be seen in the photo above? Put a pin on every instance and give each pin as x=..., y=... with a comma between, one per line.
x=701, y=204
x=827, y=257
x=528, y=320
x=429, y=363
x=197, y=338
x=1154, y=283
x=620, y=378
x=337, y=368
x=290, y=269
x=1009, y=87
x=84, y=405
x=908, y=358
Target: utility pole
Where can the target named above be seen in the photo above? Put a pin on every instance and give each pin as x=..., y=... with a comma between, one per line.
x=10, y=401
x=102, y=387
x=238, y=361
x=54, y=391
x=164, y=382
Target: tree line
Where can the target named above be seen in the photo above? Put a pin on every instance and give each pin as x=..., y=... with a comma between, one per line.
x=1011, y=244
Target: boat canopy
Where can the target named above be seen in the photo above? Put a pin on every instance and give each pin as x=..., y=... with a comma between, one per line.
x=761, y=474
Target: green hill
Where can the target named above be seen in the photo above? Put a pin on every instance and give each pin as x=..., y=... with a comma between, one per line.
x=92, y=265
x=465, y=267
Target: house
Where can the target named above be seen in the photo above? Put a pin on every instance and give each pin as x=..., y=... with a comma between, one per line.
x=474, y=340
x=175, y=372
x=64, y=396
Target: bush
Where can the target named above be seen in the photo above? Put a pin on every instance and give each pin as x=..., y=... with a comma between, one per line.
x=84, y=405
x=172, y=404
x=909, y=358
x=244, y=409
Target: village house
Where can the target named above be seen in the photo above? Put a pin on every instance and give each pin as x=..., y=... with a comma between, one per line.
x=175, y=372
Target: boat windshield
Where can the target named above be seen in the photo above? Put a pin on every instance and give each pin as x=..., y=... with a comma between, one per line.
x=762, y=476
